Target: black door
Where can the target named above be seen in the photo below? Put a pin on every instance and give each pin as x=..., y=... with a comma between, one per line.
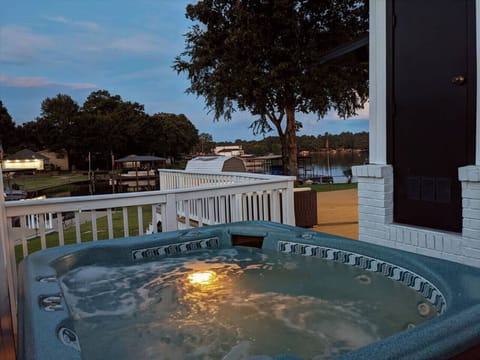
x=431, y=107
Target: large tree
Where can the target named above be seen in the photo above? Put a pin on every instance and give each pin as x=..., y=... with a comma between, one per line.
x=266, y=57
x=57, y=126
x=8, y=130
x=169, y=135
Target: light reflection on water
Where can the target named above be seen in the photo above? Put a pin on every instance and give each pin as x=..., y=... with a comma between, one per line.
x=233, y=304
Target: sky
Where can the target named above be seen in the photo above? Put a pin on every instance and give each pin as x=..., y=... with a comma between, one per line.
x=76, y=47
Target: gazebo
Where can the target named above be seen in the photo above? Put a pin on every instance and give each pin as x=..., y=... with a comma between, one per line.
x=137, y=172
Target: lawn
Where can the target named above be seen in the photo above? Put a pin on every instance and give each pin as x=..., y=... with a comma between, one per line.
x=86, y=230
x=331, y=187
x=41, y=181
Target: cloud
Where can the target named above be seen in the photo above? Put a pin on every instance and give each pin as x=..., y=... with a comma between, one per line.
x=59, y=19
x=136, y=43
x=85, y=25
x=38, y=82
x=20, y=45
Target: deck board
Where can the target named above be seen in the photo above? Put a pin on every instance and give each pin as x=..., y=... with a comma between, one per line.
x=7, y=345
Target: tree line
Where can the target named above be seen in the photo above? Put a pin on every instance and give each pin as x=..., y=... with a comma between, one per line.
x=104, y=125
x=311, y=143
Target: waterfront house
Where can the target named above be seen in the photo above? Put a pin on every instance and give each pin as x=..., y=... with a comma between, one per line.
x=25, y=160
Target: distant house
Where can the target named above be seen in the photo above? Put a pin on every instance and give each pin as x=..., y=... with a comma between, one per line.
x=230, y=150
x=25, y=159
x=59, y=159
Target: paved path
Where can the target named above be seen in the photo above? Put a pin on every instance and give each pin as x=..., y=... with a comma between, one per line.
x=337, y=213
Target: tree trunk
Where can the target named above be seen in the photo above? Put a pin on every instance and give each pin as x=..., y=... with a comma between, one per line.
x=292, y=142
x=284, y=142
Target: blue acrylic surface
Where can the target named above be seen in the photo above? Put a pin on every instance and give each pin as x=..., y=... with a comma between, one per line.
x=453, y=288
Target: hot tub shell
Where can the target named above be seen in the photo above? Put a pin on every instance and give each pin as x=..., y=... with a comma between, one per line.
x=46, y=329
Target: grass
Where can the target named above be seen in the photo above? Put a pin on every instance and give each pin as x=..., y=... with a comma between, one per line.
x=35, y=182
x=86, y=230
x=331, y=187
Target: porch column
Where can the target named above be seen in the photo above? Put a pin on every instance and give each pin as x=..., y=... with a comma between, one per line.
x=375, y=202
x=470, y=178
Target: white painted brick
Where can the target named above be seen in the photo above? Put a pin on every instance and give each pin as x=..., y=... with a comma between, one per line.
x=430, y=241
x=471, y=224
x=469, y=173
x=376, y=210
x=408, y=237
x=447, y=245
x=359, y=171
x=374, y=225
x=471, y=243
x=376, y=195
x=430, y=252
x=471, y=203
x=414, y=238
x=471, y=194
x=406, y=247
x=468, y=185
x=375, y=187
x=373, y=240
x=454, y=258
x=372, y=232
x=471, y=213
x=371, y=170
x=393, y=234
x=378, y=181
x=457, y=246
x=373, y=202
x=422, y=240
x=471, y=253
x=470, y=261
x=370, y=217
x=471, y=233
x=400, y=235
x=438, y=242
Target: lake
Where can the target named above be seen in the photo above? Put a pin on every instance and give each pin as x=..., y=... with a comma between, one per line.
x=331, y=164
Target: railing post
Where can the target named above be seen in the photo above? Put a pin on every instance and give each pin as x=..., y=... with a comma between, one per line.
x=8, y=302
x=170, y=217
x=288, y=204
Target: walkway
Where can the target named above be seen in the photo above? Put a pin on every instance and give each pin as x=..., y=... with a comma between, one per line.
x=337, y=213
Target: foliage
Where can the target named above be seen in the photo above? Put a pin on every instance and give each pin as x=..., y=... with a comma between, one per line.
x=7, y=129
x=103, y=126
x=265, y=57
x=271, y=144
x=170, y=135
x=205, y=144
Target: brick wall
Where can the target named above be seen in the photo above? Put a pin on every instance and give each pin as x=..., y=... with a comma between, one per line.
x=375, y=215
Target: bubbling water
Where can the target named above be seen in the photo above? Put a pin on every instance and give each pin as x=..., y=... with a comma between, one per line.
x=234, y=304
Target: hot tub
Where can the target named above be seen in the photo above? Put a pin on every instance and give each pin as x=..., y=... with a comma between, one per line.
x=250, y=290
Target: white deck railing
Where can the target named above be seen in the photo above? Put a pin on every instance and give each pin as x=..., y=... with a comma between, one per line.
x=185, y=200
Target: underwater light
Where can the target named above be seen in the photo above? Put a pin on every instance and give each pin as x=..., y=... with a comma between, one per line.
x=202, y=277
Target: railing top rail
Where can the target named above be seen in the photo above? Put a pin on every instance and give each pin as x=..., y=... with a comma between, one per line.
x=233, y=174
x=18, y=207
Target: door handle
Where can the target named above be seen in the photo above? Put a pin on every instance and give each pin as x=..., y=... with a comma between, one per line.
x=458, y=80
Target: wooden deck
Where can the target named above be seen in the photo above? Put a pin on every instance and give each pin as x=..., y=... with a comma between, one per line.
x=7, y=347
x=337, y=213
